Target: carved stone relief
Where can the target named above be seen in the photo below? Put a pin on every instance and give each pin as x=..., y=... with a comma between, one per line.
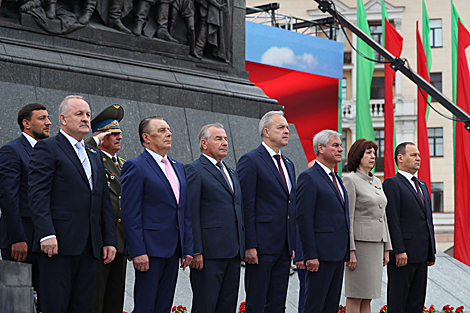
x=205, y=26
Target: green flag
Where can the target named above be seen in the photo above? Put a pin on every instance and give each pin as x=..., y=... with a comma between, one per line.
x=427, y=47
x=364, y=72
x=426, y=40
x=384, y=16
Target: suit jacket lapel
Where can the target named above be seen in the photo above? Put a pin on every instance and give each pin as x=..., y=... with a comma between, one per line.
x=270, y=163
x=69, y=151
x=413, y=191
x=330, y=182
x=214, y=171
x=290, y=171
x=26, y=144
x=231, y=173
x=153, y=164
x=94, y=163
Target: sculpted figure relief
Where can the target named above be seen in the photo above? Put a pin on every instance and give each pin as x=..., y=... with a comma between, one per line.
x=204, y=25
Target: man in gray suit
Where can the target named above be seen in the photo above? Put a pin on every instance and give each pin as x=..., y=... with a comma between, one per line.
x=218, y=230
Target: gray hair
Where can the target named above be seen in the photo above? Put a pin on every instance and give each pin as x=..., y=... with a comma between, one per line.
x=64, y=105
x=322, y=138
x=205, y=134
x=267, y=120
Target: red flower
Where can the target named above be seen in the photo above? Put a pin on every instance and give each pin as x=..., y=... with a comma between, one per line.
x=383, y=309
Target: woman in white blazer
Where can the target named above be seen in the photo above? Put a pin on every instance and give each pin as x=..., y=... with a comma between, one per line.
x=370, y=239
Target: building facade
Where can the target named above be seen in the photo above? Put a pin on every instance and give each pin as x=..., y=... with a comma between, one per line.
x=403, y=15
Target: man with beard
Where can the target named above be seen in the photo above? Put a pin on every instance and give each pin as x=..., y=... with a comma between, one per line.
x=71, y=212
x=111, y=277
x=16, y=227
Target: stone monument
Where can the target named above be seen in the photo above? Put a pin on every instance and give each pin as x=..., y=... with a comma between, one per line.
x=181, y=59
x=16, y=292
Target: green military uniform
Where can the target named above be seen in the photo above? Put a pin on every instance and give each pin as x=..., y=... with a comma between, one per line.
x=110, y=279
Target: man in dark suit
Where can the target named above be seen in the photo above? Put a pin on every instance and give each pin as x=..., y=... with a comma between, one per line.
x=267, y=179
x=156, y=217
x=411, y=229
x=218, y=230
x=111, y=277
x=16, y=227
x=71, y=211
x=323, y=222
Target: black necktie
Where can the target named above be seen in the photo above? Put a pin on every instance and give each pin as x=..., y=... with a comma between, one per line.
x=278, y=159
x=221, y=168
x=336, y=185
x=418, y=189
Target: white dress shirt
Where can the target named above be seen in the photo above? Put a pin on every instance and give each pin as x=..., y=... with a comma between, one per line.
x=409, y=176
x=214, y=161
x=286, y=173
x=328, y=171
x=30, y=139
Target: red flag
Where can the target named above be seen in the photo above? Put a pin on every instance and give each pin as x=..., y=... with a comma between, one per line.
x=462, y=154
x=424, y=172
x=394, y=44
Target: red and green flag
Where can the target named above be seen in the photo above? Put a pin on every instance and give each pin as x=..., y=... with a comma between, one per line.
x=394, y=44
x=423, y=143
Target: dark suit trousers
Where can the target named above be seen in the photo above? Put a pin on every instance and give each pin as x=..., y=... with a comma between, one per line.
x=302, y=274
x=266, y=283
x=323, y=288
x=154, y=289
x=406, y=289
x=110, y=285
x=67, y=282
x=215, y=287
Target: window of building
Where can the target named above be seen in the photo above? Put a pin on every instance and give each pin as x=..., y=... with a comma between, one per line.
x=436, y=142
x=344, y=89
x=377, y=90
x=380, y=141
x=436, y=81
x=376, y=34
x=435, y=34
x=437, y=197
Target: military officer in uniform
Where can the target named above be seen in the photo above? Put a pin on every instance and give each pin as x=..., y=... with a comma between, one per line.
x=110, y=279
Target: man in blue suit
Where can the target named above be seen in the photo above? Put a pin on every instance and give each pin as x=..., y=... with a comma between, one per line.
x=218, y=229
x=156, y=217
x=409, y=217
x=71, y=211
x=323, y=222
x=267, y=179
x=16, y=226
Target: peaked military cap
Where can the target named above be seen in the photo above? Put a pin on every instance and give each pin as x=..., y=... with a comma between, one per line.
x=108, y=120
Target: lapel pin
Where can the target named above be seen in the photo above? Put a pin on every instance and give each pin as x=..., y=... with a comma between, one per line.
x=91, y=150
